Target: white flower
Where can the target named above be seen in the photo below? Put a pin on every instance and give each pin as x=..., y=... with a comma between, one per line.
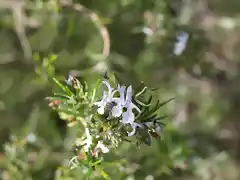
x=117, y=103
x=181, y=43
x=107, y=97
x=120, y=102
x=87, y=142
x=128, y=117
x=129, y=103
x=101, y=146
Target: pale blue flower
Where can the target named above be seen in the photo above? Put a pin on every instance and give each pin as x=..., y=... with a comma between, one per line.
x=128, y=117
x=107, y=97
x=181, y=43
x=120, y=102
x=129, y=103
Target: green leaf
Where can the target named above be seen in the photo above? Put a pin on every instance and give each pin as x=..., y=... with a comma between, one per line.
x=62, y=96
x=143, y=114
x=64, y=88
x=154, y=89
x=150, y=118
x=95, y=163
x=85, y=86
x=56, y=98
x=145, y=109
x=165, y=102
x=111, y=77
x=94, y=91
x=90, y=171
x=158, y=119
x=103, y=173
x=141, y=92
x=141, y=103
x=52, y=58
x=155, y=108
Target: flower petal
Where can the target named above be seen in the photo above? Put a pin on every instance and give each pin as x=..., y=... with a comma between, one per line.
x=100, y=110
x=108, y=86
x=103, y=101
x=117, y=111
x=128, y=117
x=87, y=141
x=88, y=134
x=121, y=90
x=129, y=94
x=101, y=146
x=134, y=126
x=133, y=106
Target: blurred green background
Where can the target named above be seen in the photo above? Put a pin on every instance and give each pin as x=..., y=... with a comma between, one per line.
x=45, y=38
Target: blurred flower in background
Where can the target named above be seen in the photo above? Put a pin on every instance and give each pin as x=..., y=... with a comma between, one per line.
x=181, y=43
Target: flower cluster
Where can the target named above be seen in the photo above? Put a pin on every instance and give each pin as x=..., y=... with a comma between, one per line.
x=118, y=114
x=118, y=105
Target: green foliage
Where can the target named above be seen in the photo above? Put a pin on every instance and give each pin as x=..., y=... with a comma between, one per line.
x=194, y=136
x=77, y=107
